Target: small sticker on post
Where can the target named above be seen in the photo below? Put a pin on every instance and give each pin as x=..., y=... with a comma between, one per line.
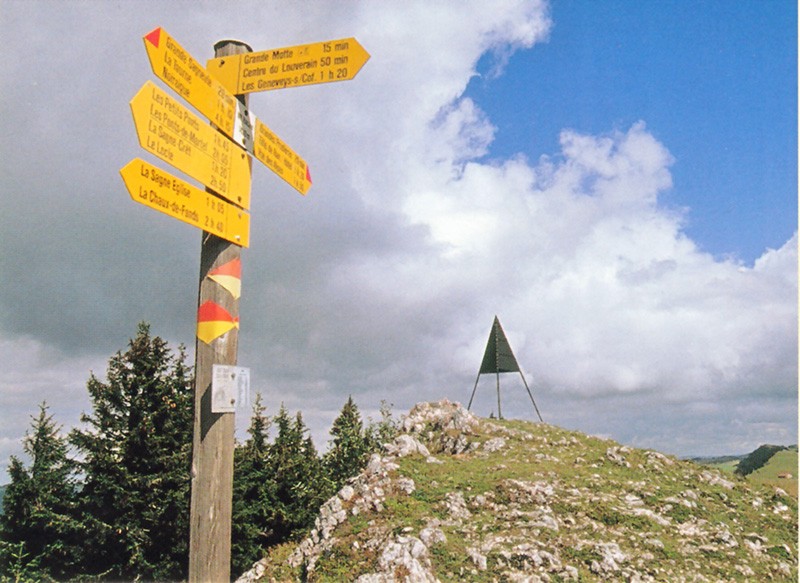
x=230, y=388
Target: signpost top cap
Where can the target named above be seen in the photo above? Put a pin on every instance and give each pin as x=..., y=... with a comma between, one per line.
x=232, y=41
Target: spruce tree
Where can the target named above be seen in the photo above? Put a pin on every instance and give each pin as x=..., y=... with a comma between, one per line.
x=300, y=484
x=350, y=446
x=38, y=526
x=316, y=488
x=136, y=460
x=253, y=494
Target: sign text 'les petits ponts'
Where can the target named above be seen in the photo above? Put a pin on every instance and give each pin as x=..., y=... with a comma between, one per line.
x=159, y=190
x=177, y=136
x=322, y=62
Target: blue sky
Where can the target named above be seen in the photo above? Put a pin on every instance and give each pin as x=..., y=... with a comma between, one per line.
x=715, y=81
x=611, y=194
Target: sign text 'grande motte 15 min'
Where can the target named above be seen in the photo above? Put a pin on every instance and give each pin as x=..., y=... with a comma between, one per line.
x=322, y=62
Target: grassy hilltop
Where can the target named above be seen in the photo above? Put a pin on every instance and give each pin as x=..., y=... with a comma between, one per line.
x=780, y=471
x=459, y=498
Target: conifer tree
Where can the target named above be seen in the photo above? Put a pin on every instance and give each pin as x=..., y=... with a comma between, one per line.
x=38, y=522
x=136, y=460
x=300, y=484
x=253, y=493
x=316, y=487
x=350, y=446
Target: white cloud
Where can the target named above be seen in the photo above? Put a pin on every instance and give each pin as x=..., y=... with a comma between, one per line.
x=576, y=251
x=33, y=374
x=384, y=280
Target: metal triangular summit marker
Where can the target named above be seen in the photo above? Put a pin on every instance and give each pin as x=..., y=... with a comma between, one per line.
x=498, y=357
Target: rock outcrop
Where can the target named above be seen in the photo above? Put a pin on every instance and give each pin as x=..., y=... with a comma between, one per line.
x=459, y=498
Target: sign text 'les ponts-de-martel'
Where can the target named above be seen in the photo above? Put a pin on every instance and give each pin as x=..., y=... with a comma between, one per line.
x=322, y=62
x=159, y=190
x=177, y=136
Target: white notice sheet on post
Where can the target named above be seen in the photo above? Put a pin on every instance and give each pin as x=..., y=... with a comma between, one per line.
x=230, y=387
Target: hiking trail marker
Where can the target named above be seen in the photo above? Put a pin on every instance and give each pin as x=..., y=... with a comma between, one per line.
x=189, y=79
x=177, y=136
x=322, y=62
x=219, y=155
x=159, y=190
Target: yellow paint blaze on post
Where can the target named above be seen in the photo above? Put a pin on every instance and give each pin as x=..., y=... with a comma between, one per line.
x=310, y=64
x=160, y=190
x=210, y=331
x=173, y=133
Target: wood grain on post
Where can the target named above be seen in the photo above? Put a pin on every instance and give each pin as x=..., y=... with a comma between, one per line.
x=212, y=451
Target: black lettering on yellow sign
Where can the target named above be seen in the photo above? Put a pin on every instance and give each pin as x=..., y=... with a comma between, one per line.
x=159, y=190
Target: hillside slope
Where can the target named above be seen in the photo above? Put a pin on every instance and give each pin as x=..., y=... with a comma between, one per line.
x=780, y=471
x=757, y=459
x=459, y=498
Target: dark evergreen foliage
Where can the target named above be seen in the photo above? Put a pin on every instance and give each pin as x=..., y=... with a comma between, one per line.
x=38, y=527
x=757, y=459
x=349, y=448
x=383, y=431
x=136, y=461
x=254, y=494
x=127, y=519
x=279, y=487
x=300, y=484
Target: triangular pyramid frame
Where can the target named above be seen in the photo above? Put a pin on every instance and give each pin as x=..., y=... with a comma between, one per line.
x=498, y=358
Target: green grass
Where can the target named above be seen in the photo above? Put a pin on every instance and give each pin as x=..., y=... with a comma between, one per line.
x=592, y=500
x=729, y=466
x=783, y=462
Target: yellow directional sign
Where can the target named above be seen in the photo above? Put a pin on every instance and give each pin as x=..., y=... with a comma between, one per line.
x=178, y=69
x=323, y=62
x=281, y=159
x=153, y=187
x=177, y=136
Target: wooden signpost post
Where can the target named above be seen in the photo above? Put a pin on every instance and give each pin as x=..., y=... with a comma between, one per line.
x=212, y=451
x=219, y=156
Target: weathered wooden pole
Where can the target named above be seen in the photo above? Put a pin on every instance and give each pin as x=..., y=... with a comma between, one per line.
x=212, y=452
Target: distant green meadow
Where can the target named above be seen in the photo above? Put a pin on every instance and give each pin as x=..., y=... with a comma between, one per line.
x=774, y=473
